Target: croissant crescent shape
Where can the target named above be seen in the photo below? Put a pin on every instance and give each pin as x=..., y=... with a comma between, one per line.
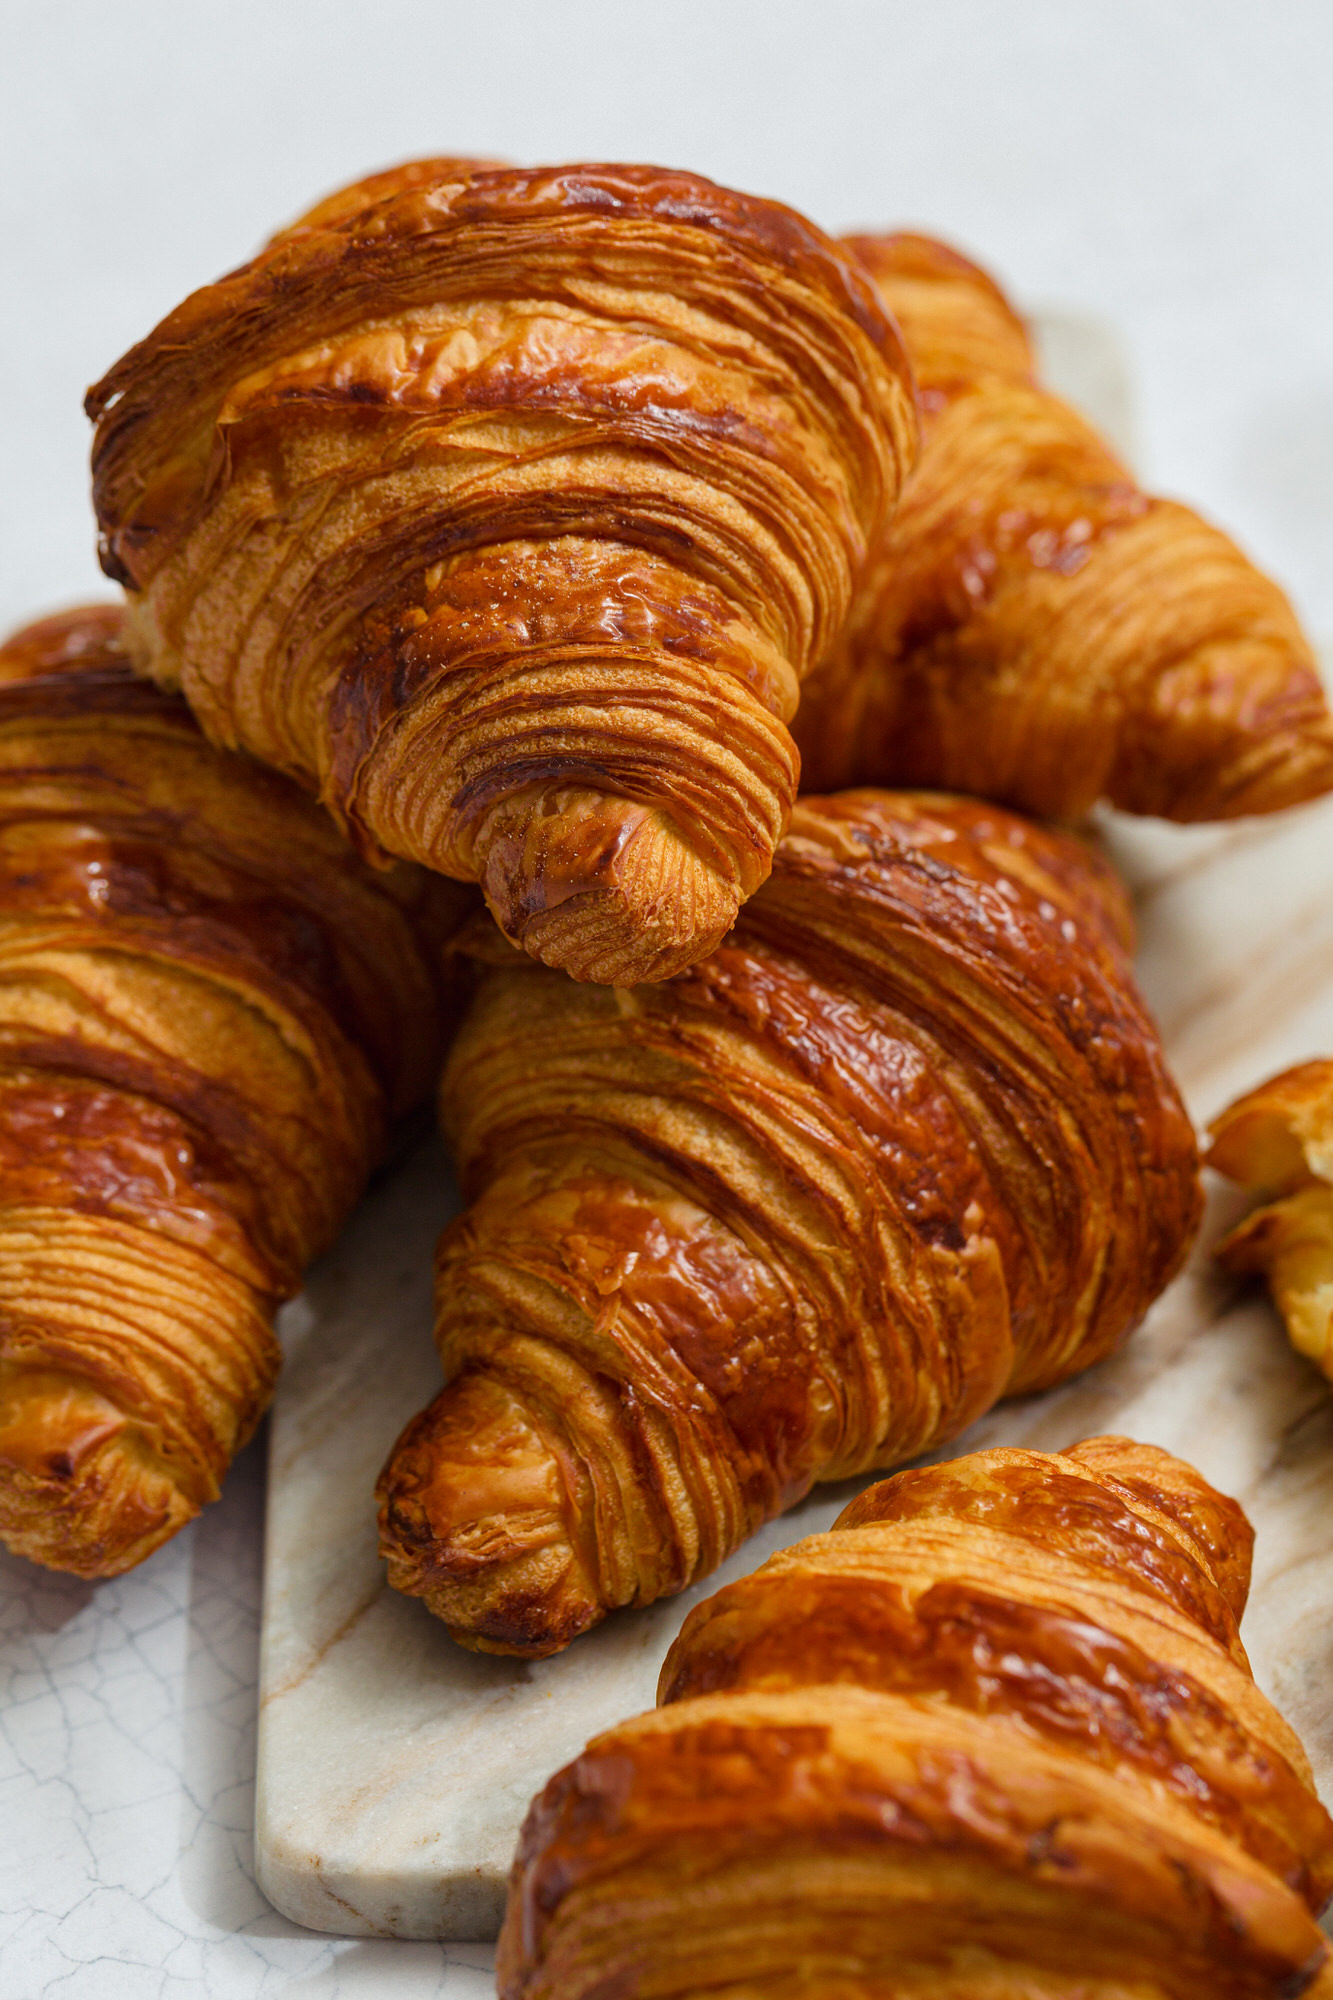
x=1032, y=626
x=209, y=1011
x=994, y=1737
x=507, y=509
x=904, y=1144
x=1278, y=1141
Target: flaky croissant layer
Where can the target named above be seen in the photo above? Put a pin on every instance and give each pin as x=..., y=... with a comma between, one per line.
x=1034, y=627
x=508, y=508
x=904, y=1144
x=1277, y=1141
x=209, y=1012
x=994, y=1737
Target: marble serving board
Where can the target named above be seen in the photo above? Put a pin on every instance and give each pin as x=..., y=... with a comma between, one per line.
x=395, y=1769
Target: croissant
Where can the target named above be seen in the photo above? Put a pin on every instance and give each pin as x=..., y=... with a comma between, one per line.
x=1032, y=626
x=994, y=1737
x=209, y=1012
x=507, y=509
x=1278, y=1141
x=905, y=1143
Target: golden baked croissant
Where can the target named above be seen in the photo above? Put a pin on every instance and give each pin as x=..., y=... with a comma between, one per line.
x=994, y=1737
x=1278, y=1140
x=1032, y=626
x=209, y=1011
x=904, y=1144
x=508, y=508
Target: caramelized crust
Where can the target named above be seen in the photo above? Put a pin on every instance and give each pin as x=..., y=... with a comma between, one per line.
x=1277, y=1140
x=904, y=1144
x=1035, y=628
x=209, y=1011
x=507, y=509
x=994, y=1737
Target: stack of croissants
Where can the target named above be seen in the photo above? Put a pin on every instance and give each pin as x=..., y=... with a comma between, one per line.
x=532, y=580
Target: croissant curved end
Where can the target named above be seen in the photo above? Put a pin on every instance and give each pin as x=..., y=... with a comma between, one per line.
x=601, y=887
x=82, y=1487
x=472, y=1520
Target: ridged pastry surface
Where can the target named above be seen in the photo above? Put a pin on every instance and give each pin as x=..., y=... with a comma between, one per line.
x=904, y=1144
x=1033, y=626
x=993, y=1737
x=507, y=508
x=210, y=1009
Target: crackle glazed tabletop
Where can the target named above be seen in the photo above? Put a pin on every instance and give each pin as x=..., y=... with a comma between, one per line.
x=1167, y=168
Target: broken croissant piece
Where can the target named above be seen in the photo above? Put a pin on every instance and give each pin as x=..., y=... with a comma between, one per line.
x=507, y=509
x=994, y=1737
x=210, y=1009
x=906, y=1143
x=1278, y=1141
x=1035, y=628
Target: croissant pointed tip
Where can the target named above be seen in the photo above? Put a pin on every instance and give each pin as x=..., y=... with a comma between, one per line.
x=81, y=1488
x=473, y=1521
x=1262, y=766
x=603, y=888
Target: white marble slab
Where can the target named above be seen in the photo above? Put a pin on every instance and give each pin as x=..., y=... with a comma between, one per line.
x=394, y=1768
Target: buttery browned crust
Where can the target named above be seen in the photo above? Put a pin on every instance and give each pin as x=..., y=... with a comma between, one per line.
x=209, y=1011
x=992, y=1738
x=904, y=1144
x=507, y=508
x=1277, y=1140
x=1035, y=628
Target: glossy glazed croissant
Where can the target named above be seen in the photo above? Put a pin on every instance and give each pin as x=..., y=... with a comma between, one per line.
x=1277, y=1140
x=209, y=1011
x=1036, y=629
x=508, y=509
x=904, y=1144
x=993, y=1738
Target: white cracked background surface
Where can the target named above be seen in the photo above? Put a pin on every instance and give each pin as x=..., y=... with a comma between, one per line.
x=1165, y=169
x=127, y=1731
